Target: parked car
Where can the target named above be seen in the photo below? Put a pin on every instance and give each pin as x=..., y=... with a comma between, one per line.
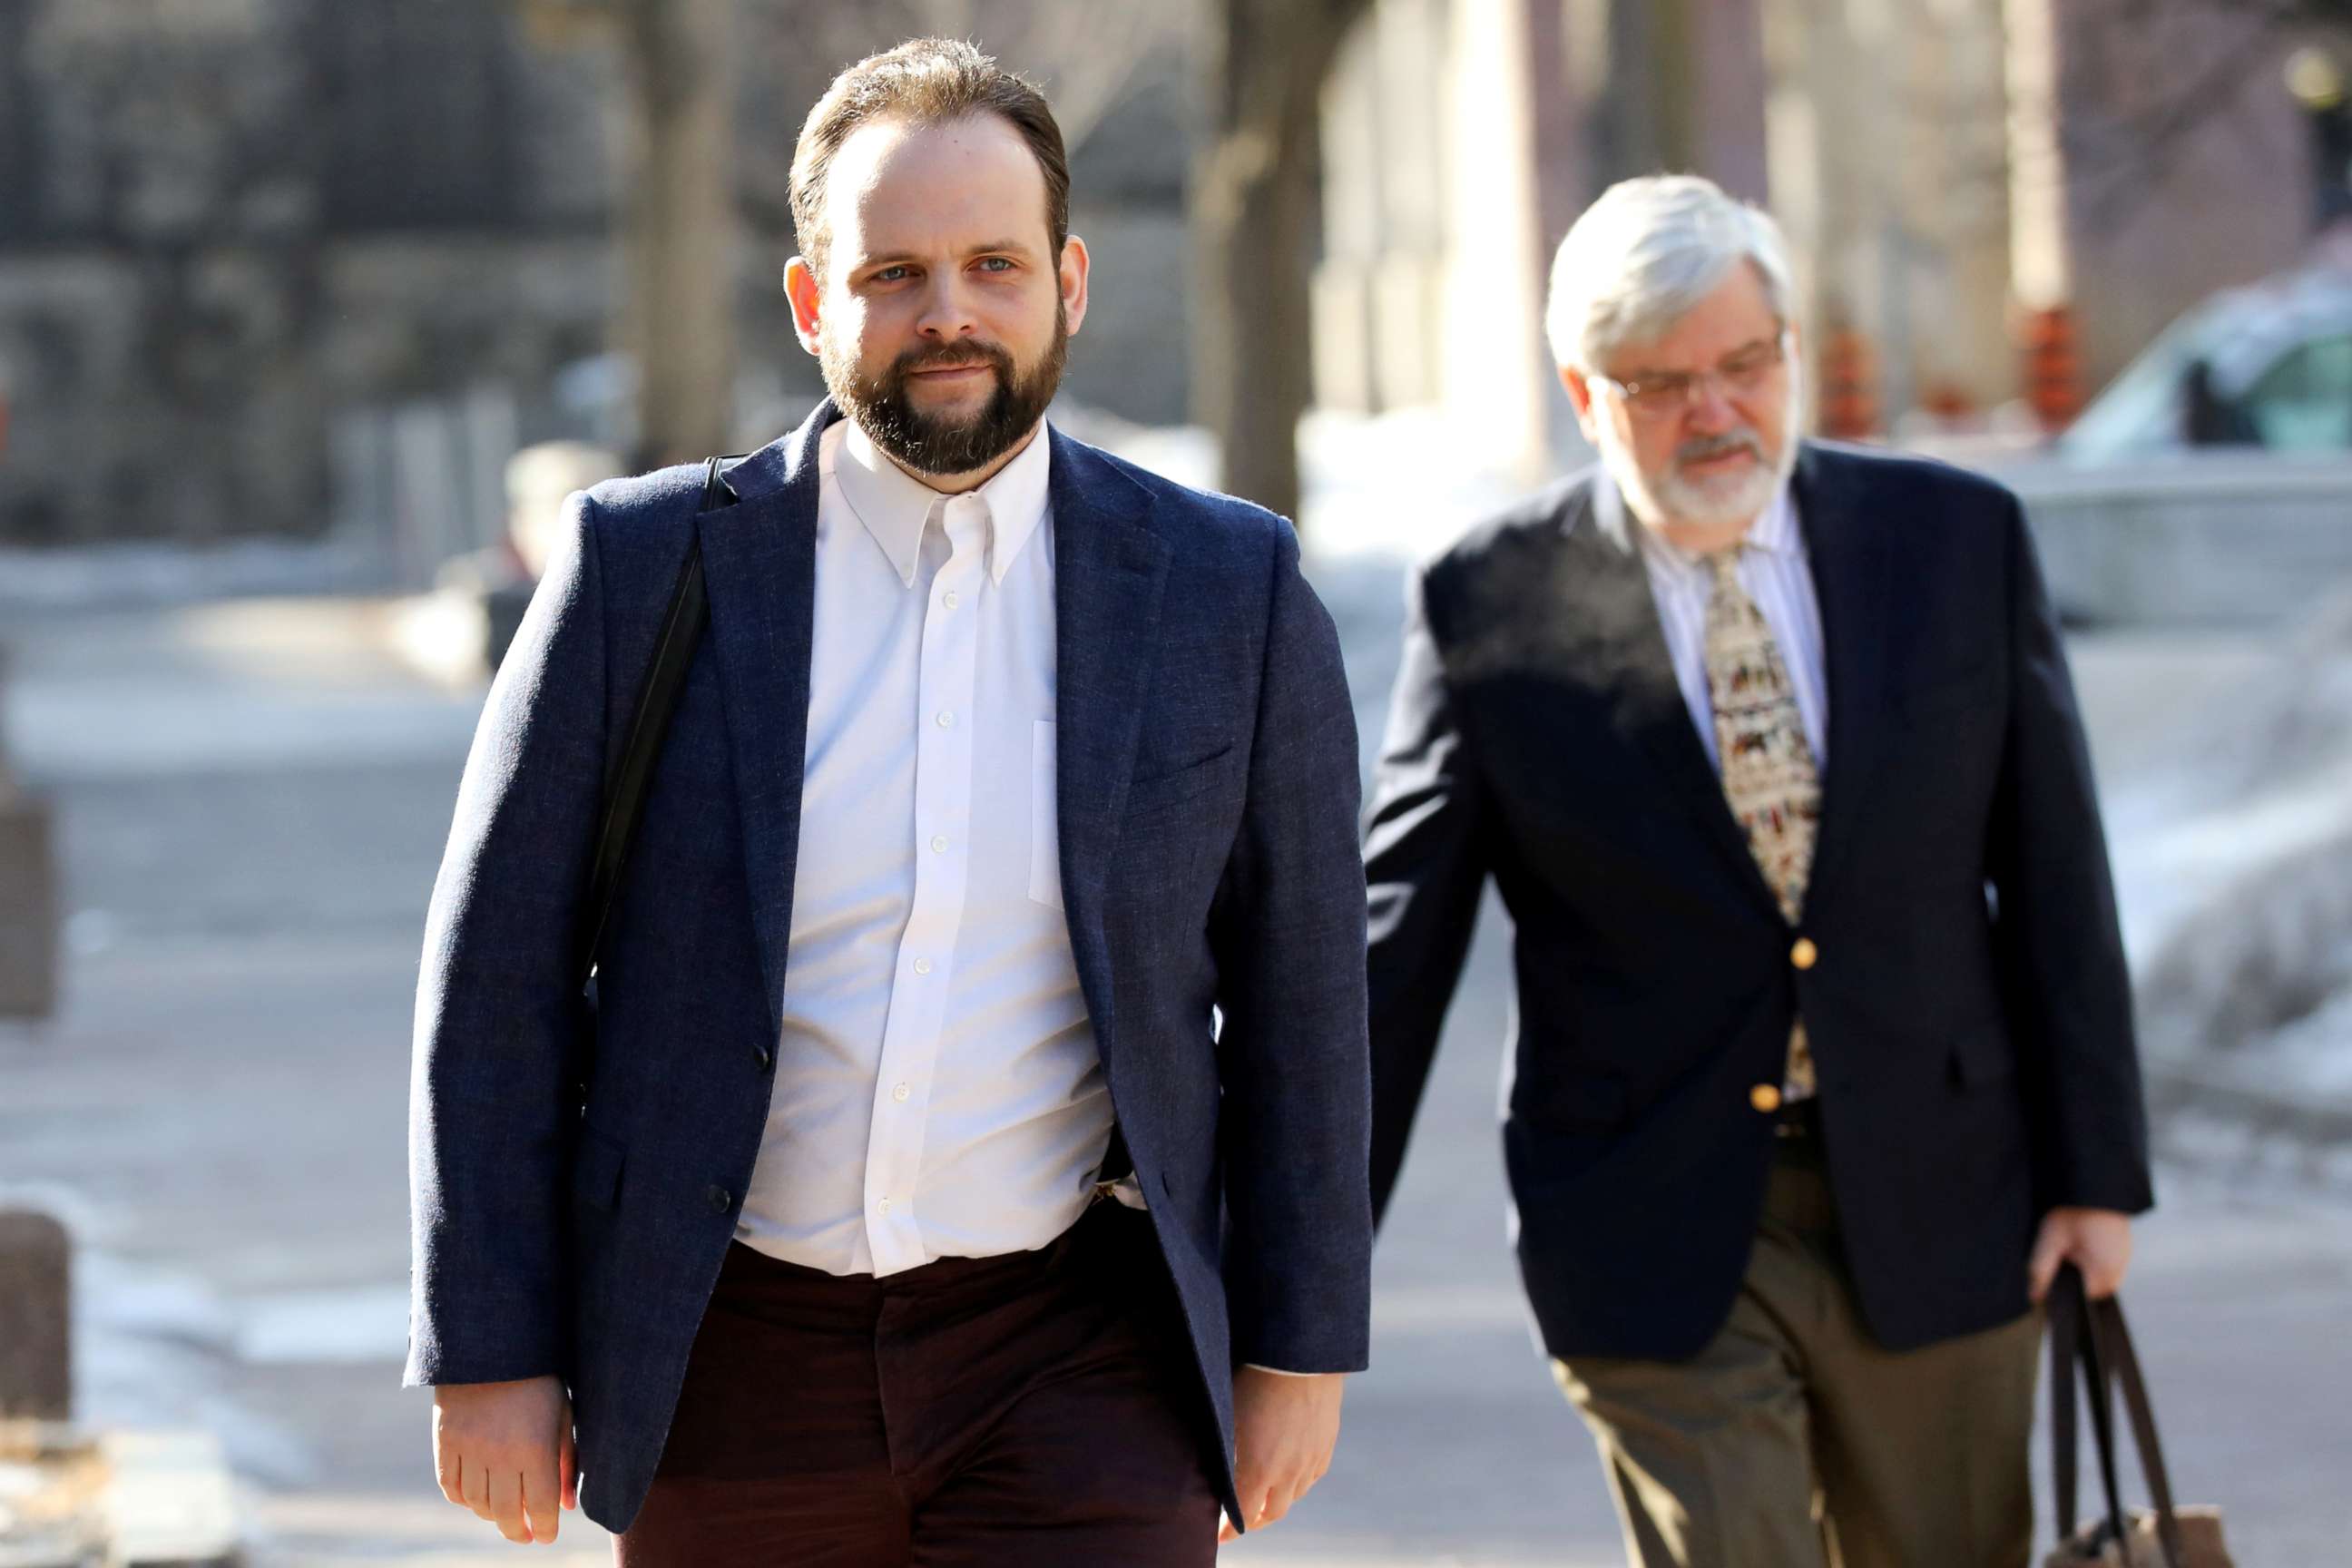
x=2210, y=483
x=2268, y=365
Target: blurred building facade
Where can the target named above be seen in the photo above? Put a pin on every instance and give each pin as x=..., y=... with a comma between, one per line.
x=265, y=262
x=1995, y=202
x=222, y=222
x=268, y=266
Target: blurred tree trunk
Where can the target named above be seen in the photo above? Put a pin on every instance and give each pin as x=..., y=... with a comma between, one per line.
x=674, y=129
x=677, y=222
x=1253, y=205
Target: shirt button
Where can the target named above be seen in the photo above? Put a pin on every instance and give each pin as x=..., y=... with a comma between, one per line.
x=952, y=599
x=720, y=1200
x=885, y=1206
x=940, y=844
x=1804, y=955
x=922, y=967
x=947, y=721
x=901, y=1093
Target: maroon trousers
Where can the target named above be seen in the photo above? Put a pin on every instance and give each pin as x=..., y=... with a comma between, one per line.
x=1037, y=1409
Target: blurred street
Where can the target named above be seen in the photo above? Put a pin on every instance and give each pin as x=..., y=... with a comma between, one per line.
x=312, y=312
x=253, y=798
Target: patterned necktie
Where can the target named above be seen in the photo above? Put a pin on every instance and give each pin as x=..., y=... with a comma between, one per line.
x=1768, y=773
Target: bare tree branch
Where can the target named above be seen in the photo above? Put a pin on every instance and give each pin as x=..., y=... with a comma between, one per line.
x=2125, y=176
x=2125, y=160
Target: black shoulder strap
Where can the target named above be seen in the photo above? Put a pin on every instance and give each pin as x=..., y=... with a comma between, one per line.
x=633, y=769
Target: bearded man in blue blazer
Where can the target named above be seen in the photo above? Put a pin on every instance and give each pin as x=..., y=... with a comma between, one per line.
x=916, y=1206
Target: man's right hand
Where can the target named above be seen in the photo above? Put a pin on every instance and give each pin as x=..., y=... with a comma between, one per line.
x=504, y=1449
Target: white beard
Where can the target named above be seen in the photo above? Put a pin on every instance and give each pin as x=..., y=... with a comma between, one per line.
x=1704, y=504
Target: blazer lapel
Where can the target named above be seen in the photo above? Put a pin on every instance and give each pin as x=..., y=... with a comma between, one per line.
x=1852, y=564
x=1109, y=572
x=758, y=559
x=1613, y=617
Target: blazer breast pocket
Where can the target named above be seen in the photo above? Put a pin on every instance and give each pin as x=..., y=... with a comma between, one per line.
x=1044, y=821
x=1159, y=793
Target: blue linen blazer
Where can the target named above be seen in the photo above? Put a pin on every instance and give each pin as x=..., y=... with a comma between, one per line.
x=1208, y=793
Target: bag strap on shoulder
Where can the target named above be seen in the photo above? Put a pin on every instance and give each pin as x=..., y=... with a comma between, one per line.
x=632, y=770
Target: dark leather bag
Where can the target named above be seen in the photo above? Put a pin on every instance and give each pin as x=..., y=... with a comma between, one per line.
x=2091, y=1336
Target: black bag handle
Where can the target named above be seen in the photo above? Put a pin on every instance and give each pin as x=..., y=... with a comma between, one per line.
x=2070, y=1342
x=2116, y=1351
x=631, y=771
x=2095, y=1332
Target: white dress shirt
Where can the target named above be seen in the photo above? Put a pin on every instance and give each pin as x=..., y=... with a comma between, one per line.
x=1776, y=574
x=938, y=1091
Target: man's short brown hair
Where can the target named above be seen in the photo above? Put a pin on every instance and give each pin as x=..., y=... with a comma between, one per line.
x=925, y=81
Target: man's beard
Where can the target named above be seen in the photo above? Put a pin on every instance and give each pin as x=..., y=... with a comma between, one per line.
x=947, y=444
x=1667, y=497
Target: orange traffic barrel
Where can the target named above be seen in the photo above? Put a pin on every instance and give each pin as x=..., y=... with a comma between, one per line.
x=2053, y=371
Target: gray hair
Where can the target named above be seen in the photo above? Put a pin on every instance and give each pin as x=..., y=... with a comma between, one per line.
x=1646, y=253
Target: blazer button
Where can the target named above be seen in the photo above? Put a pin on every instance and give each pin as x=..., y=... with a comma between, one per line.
x=765, y=1056
x=1804, y=955
x=1765, y=1098
x=721, y=1200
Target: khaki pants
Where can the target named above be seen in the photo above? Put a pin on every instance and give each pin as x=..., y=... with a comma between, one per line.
x=1793, y=1441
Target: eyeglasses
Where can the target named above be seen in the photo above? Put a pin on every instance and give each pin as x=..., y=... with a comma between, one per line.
x=1668, y=393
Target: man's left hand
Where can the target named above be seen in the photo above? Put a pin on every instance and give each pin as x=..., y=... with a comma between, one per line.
x=1285, y=1427
x=2096, y=1241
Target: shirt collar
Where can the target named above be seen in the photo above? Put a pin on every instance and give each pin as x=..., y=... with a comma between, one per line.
x=1774, y=531
x=896, y=507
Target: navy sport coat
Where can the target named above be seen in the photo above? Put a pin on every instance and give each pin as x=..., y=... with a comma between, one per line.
x=1958, y=965
x=1208, y=791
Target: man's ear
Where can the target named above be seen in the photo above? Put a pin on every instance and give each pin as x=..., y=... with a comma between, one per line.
x=1580, y=396
x=807, y=299
x=1073, y=280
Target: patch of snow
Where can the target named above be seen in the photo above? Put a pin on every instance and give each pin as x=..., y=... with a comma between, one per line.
x=2234, y=864
x=363, y=1323
x=103, y=576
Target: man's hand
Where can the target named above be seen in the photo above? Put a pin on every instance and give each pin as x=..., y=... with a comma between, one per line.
x=504, y=1449
x=1285, y=1427
x=2096, y=1241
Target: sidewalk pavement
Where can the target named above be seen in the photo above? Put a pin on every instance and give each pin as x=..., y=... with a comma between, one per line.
x=253, y=802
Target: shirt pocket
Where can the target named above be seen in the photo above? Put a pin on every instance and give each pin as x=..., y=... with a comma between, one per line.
x=1044, y=823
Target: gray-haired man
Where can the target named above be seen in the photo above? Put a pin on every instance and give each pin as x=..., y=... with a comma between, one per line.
x=1824, y=1060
